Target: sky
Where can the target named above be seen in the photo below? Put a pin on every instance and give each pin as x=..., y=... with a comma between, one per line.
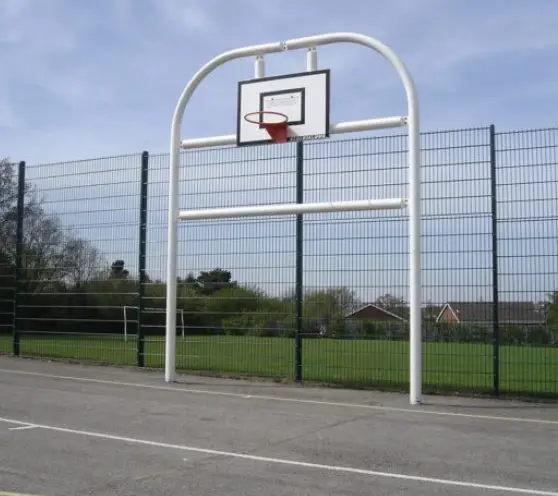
x=93, y=79
x=87, y=79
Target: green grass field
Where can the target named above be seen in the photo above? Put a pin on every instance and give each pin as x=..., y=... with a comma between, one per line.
x=447, y=366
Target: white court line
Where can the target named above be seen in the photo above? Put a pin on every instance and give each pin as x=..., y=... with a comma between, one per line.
x=415, y=410
x=282, y=461
x=4, y=493
x=22, y=428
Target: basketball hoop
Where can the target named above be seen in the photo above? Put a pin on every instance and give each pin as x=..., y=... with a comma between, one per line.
x=277, y=130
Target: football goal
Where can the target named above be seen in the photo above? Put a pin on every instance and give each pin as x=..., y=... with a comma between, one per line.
x=131, y=317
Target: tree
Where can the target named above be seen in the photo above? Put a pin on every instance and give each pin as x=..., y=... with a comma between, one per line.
x=117, y=270
x=325, y=310
x=552, y=310
x=8, y=199
x=7, y=273
x=329, y=302
x=8, y=196
x=431, y=312
x=49, y=254
x=215, y=276
x=209, y=282
x=393, y=304
x=82, y=262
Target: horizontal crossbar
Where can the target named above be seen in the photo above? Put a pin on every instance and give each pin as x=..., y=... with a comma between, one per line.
x=340, y=128
x=292, y=209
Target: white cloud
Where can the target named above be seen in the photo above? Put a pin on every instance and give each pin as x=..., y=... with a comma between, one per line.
x=115, y=69
x=462, y=42
x=37, y=28
x=183, y=15
x=11, y=10
x=9, y=117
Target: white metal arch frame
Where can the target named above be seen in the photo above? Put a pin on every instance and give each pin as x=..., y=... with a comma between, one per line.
x=413, y=202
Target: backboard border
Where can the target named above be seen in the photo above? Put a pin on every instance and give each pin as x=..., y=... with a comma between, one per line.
x=240, y=84
x=302, y=92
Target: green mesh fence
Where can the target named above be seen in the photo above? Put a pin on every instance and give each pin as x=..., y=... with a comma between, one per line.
x=315, y=297
x=8, y=215
x=527, y=182
x=79, y=269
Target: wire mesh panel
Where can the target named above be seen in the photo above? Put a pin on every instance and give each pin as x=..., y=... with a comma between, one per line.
x=357, y=264
x=527, y=181
x=8, y=210
x=80, y=249
x=330, y=305
x=235, y=277
x=457, y=260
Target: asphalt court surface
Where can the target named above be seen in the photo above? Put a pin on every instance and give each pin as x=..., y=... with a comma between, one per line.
x=83, y=430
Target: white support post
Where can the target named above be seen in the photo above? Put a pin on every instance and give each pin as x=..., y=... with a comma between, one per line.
x=125, y=308
x=292, y=209
x=312, y=60
x=414, y=200
x=259, y=67
x=125, y=326
x=340, y=128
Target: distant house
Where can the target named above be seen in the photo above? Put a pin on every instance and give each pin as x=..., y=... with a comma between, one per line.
x=481, y=312
x=374, y=313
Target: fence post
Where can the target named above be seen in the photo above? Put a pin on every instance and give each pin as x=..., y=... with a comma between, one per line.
x=495, y=292
x=140, y=346
x=299, y=261
x=20, y=214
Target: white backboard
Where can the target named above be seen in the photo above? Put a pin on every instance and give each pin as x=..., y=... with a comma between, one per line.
x=303, y=97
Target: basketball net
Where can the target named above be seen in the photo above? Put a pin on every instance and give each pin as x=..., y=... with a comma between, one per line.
x=278, y=131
